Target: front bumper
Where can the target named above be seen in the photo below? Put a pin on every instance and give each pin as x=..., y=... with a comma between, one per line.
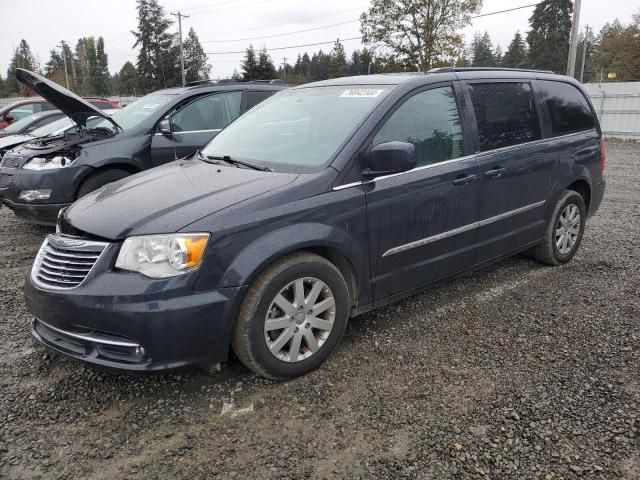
x=63, y=184
x=42, y=214
x=108, y=319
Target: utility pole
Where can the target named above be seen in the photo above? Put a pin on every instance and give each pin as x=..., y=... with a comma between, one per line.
x=180, y=17
x=584, y=52
x=573, y=41
x=64, y=59
x=284, y=68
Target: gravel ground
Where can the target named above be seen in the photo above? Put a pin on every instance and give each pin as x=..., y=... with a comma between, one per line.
x=520, y=371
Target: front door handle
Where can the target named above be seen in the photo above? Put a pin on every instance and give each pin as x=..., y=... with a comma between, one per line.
x=495, y=172
x=464, y=180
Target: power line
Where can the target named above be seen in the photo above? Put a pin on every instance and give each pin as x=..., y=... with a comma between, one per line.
x=288, y=47
x=510, y=9
x=281, y=34
x=259, y=2
x=283, y=24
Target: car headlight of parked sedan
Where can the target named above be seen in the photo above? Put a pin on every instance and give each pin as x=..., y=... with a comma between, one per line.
x=43, y=163
x=163, y=256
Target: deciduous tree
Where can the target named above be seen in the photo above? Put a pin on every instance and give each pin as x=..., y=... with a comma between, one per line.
x=418, y=32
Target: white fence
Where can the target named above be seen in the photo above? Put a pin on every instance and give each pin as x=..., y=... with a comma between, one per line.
x=618, y=107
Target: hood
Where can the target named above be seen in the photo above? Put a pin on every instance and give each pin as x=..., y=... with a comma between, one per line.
x=168, y=198
x=69, y=103
x=11, y=141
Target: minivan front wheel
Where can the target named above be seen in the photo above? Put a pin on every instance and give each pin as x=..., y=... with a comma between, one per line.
x=564, y=233
x=292, y=317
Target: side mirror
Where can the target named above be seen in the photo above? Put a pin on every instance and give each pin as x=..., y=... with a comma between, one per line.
x=164, y=127
x=9, y=118
x=388, y=158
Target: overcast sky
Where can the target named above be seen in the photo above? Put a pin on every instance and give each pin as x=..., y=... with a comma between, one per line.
x=43, y=23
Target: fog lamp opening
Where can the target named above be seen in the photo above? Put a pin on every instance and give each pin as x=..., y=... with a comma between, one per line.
x=31, y=195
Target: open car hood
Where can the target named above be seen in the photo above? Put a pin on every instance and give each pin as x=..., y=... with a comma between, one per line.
x=76, y=108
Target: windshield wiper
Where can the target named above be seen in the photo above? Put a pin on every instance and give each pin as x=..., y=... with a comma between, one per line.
x=235, y=161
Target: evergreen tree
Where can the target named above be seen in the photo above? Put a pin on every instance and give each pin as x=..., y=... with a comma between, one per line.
x=497, y=56
x=3, y=87
x=128, y=80
x=266, y=70
x=337, y=61
x=101, y=80
x=516, y=54
x=158, y=58
x=92, y=65
x=588, y=42
x=236, y=75
x=250, y=65
x=81, y=69
x=195, y=60
x=482, y=51
x=22, y=58
x=549, y=35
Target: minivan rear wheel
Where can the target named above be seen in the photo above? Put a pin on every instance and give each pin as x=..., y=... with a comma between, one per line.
x=292, y=317
x=564, y=232
x=100, y=179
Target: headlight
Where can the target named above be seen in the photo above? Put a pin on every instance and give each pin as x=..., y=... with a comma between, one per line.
x=162, y=256
x=41, y=163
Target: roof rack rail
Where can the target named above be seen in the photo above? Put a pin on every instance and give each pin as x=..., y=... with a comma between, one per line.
x=485, y=69
x=274, y=81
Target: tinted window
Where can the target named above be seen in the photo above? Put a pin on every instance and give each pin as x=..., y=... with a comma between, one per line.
x=208, y=113
x=254, y=98
x=100, y=105
x=505, y=113
x=568, y=108
x=430, y=121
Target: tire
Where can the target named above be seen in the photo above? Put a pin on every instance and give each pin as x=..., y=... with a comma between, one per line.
x=548, y=250
x=282, y=279
x=100, y=179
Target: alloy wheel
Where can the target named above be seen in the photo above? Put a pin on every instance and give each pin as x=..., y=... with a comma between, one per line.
x=568, y=229
x=300, y=319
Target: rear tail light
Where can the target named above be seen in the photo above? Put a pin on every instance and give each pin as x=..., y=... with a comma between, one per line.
x=603, y=153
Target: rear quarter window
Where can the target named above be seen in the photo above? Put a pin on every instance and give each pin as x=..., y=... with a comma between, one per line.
x=568, y=108
x=505, y=113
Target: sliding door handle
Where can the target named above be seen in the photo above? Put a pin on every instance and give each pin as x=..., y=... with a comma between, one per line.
x=464, y=180
x=495, y=172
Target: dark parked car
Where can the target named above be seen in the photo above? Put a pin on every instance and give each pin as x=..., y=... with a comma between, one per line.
x=324, y=202
x=31, y=122
x=39, y=178
x=23, y=108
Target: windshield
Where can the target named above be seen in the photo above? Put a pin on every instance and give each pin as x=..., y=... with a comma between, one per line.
x=52, y=127
x=20, y=124
x=134, y=113
x=302, y=127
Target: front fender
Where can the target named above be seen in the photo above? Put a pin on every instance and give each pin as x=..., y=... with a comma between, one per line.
x=262, y=252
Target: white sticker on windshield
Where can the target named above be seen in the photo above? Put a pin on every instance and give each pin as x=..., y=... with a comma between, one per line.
x=361, y=93
x=151, y=106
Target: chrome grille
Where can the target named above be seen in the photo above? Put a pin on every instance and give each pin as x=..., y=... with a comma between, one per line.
x=5, y=180
x=64, y=262
x=10, y=161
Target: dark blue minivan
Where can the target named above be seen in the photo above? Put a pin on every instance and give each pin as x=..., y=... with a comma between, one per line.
x=323, y=202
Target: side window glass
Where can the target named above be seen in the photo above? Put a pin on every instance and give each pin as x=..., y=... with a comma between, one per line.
x=255, y=97
x=505, y=113
x=23, y=111
x=208, y=113
x=568, y=109
x=431, y=122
